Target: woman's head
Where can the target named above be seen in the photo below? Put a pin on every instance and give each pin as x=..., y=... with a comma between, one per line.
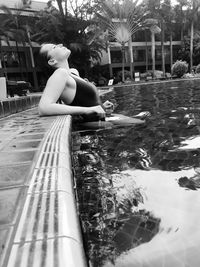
x=55, y=54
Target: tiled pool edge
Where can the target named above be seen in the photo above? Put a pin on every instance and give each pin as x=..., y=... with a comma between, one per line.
x=14, y=105
x=48, y=232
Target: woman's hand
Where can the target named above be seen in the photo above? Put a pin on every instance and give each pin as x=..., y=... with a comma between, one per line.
x=108, y=107
x=98, y=110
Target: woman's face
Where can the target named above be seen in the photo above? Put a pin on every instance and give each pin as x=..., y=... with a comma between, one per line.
x=57, y=52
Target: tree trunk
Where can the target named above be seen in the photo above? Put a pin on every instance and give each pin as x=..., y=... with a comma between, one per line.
x=59, y=3
x=123, y=61
x=35, y=80
x=19, y=58
x=191, y=45
x=146, y=51
x=109, y=62
x=153, y=52
x=131, y=57
x=163, y=47
x=66, y=8
x=171, y=51
x=1, y=59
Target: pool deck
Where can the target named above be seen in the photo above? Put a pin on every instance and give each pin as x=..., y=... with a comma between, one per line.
x=39, y=225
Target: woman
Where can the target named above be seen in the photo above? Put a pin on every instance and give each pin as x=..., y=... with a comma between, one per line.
x=79, y=96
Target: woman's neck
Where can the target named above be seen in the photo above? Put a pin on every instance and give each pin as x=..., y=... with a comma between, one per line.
x=63, y=65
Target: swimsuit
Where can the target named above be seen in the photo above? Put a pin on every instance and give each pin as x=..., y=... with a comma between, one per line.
x=86, y=94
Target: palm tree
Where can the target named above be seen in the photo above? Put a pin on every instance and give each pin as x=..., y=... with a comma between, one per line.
x=165, y=16
x=122, y=19
x=181, y=15
x=195, y=5
x=3, y=37
x=170, y=21
x=154, y=29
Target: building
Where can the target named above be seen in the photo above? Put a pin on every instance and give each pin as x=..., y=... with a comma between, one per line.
x=18, y=59
x=141, y=56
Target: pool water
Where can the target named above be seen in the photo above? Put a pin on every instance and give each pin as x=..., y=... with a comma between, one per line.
x=138, y=186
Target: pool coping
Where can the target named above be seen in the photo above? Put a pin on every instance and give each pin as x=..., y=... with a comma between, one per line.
x=49, y=196
x=14, y=105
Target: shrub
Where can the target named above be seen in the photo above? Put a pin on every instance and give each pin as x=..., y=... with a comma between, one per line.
x=197, y=68
x=127, y=74
x=179, y=68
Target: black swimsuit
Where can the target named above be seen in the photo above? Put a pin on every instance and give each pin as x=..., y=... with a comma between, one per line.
x=86, y=94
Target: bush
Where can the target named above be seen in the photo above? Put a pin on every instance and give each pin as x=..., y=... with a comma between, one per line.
x=197, y=68
x=127, y=74
x=179, y=68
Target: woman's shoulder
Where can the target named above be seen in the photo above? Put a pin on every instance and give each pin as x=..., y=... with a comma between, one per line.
x=59, y=73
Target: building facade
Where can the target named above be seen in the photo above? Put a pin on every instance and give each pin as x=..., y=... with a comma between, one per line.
x=140, y=55
x=17, y=61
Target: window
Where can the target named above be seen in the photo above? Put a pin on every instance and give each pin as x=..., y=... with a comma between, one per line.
x=139, y=55
x=14, y=59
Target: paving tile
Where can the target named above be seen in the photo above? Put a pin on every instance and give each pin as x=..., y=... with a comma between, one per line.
x=5, y=234
x=19, y=104
x=6, y=108
x=5, y=135
x=24, y=103
x=48, y=253
x=28, y=102
x=38, y=136
x=13, y=175
x=13, y=107
x=23, y=145
x=48, y=215
x=36, y=130
x=1, y=110
x=8, y=204
x=16, y=157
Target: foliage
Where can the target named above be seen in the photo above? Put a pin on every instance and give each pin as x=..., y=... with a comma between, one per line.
x=83, y=37
x=127, y=74
x=122, y=19
x=184, y=52
x=14, y=28
x=197, y=70
x=179, y=68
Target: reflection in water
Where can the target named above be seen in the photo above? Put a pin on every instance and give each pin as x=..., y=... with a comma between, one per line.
x=178, y=240
x=138, y=187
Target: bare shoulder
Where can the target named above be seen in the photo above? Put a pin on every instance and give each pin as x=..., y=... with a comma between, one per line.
x=61, y=72
x=59, y=75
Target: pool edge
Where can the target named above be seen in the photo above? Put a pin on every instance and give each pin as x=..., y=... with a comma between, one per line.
x=60, y=244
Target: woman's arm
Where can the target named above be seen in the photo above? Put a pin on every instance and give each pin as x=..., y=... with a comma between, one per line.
x=52, y=92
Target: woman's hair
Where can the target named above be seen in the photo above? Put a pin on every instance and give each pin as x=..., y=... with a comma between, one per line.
x=44, y=60
x=44, y=52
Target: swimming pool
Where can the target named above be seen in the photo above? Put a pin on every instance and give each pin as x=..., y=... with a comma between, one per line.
x=138, y=186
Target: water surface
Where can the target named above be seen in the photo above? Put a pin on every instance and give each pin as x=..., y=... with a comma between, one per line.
x=138, y=186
